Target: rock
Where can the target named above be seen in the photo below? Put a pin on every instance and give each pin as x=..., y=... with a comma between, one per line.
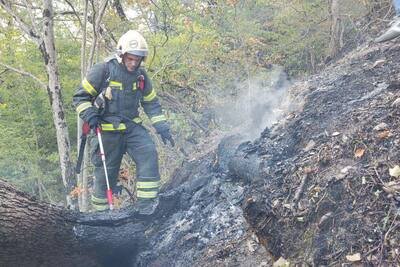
x=378, y=63
x=354, y=257
x=396, y=103
x=281, y=262
x=381, y=126
x=309, y=146
x=395, y=171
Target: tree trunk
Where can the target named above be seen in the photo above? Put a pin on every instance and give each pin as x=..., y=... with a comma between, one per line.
x=335, y=43
x=83, y=176
x=36, y=234
x=48, y=51
x=120, y=10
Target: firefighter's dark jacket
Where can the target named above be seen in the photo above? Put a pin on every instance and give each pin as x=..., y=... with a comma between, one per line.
x=121, y=100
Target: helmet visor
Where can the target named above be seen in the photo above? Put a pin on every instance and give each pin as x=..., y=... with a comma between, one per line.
x=140, y=53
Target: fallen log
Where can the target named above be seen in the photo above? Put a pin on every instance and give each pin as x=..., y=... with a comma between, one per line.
x=34, y=233
x=238, y=158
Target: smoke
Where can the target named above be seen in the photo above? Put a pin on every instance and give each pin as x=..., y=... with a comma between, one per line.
x=254, y=103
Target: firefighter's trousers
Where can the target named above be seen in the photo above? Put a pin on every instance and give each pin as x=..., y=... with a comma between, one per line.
x=136, y=141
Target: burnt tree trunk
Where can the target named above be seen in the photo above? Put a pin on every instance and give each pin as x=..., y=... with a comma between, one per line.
x=36, y=234
x=238, y=158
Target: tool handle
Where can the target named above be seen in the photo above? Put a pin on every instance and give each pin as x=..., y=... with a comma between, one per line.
x=103, y=158
x=80, y=155
x=85, y=128
x=110, y=199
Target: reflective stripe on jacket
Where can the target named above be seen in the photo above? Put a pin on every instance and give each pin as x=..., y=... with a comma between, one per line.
x=123, y=97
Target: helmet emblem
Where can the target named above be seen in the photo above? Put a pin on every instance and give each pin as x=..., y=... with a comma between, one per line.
x=133, y=44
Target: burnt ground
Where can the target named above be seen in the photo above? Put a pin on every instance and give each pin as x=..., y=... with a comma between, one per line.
x=322, y=195
x=208, y=227
x=326, y=193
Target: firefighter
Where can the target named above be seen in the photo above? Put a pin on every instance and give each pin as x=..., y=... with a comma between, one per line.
x=109, y=97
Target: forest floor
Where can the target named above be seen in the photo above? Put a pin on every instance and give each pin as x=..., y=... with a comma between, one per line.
x=330, y=192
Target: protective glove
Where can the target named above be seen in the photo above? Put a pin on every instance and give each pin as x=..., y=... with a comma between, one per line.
x=166, y=136
x=162, y=129
x=94, y=121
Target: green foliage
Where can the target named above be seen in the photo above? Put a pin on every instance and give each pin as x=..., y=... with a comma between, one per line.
x=29, y=136
x=28, y=151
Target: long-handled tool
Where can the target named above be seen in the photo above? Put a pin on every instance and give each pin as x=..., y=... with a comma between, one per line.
x=85, y=132
x=103, y=158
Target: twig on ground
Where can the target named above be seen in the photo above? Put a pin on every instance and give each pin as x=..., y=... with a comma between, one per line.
x=301, y=188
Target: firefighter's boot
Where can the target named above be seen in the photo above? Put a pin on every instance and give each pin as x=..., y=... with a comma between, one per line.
x=147, y=206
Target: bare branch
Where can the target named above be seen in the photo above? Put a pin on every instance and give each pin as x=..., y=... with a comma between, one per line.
x=120, y=11
x=68, y=13
x=154, y=4
x=24, y=73
x=73, y=12
x=83, y=45
x=96, y=28
x=31, y=15
x=23, y=25
x=101, y=13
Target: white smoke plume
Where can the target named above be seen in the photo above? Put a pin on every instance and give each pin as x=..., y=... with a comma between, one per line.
x=255, y=103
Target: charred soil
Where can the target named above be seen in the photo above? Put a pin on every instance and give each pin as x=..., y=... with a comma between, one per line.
x=326, y=196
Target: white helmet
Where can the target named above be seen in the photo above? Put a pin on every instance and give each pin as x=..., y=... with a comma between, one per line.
x=132, y=42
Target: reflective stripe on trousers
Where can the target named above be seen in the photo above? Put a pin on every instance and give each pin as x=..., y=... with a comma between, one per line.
x=135, y=141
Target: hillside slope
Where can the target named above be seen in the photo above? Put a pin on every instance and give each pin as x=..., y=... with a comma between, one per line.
x=326, y=196
x=314, y=189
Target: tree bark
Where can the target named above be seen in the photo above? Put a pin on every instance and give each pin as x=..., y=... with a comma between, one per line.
x=33, y=233
x=336, y=25
x=120, y=10
x=83, y=176
x=48, y=51
x=239, y=158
